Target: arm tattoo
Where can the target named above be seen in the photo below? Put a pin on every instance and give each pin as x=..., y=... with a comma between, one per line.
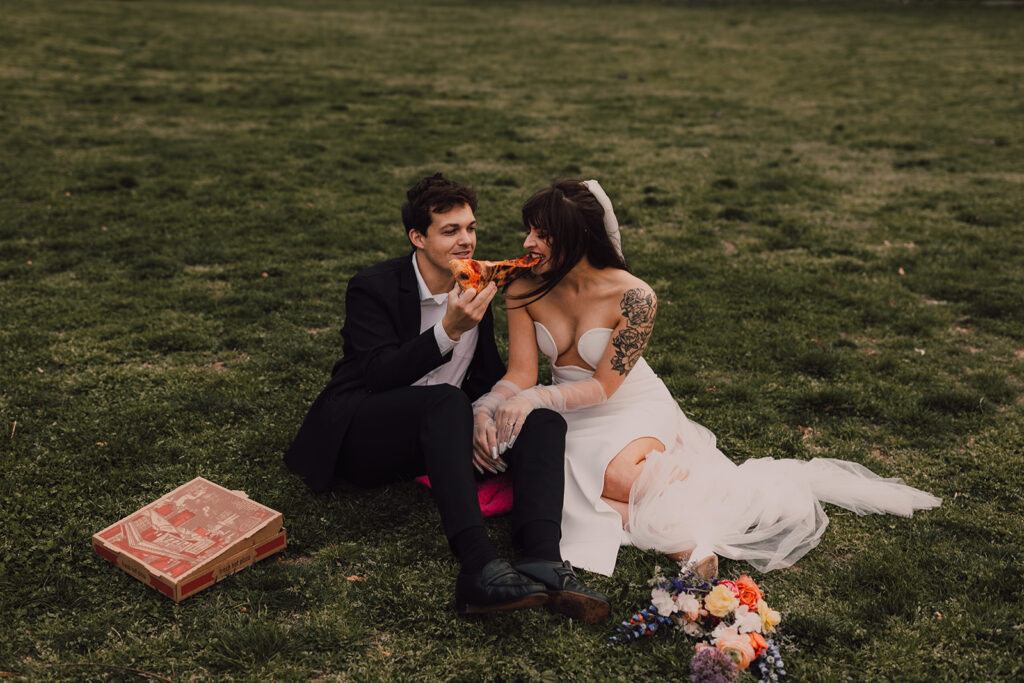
x=638, y=307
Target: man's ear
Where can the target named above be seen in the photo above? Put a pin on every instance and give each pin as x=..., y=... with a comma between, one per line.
x=418, y=239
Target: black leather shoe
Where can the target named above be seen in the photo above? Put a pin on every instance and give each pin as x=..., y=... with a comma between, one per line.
x=496, y=587
x=566, y=593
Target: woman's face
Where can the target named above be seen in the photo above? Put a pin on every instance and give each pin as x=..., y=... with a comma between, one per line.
x=539, y=245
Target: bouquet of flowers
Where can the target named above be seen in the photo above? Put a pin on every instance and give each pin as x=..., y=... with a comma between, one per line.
x=730, y=620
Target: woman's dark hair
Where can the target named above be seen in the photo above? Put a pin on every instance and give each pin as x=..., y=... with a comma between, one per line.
x=574, y=222
x=434, y=194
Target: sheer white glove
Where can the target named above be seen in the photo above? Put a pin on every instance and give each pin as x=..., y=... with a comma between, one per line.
x=499, y=393
x=485, y=442
x=561, y=398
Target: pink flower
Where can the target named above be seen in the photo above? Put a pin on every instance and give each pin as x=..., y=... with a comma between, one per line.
x=731, y=585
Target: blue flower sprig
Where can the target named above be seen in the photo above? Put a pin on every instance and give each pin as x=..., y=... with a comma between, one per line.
x=770, y=664
x=644, y=623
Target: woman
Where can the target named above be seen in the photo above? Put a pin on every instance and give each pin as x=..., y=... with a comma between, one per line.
x=637, y=470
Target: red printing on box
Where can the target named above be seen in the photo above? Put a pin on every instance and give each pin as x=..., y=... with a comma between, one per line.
x=270, y=547
x=197, y=583
x=181, y=517
x=161, y=586
x=105, y=554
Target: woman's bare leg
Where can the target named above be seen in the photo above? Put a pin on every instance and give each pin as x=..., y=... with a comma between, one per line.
x=682, y=555
x=619, y=477
x=623, y=470
x=620, y=507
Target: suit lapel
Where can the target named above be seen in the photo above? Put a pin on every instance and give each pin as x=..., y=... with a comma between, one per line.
x=408, y=302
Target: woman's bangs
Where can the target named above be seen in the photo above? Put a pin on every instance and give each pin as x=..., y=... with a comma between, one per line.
x=532, y=209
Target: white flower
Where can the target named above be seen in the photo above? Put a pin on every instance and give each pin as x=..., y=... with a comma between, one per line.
x=692, y=629
x=721, y=630
x=663, y=602
x=688, y=605
x=747, y=621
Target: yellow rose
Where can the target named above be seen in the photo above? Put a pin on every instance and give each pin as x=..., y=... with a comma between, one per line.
x=769, y=617
x=721, y=601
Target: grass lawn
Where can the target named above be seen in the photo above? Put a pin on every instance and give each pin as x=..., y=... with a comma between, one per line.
x=828, y=199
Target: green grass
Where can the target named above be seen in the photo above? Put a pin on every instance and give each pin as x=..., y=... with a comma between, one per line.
x=828, y=199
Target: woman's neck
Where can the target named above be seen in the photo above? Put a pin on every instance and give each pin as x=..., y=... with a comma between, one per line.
x=580, y=277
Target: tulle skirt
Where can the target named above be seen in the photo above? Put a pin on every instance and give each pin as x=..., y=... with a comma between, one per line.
x=691, y=496
x=765, y=511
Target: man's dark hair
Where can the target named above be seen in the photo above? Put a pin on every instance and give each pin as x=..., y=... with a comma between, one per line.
x=434, y=194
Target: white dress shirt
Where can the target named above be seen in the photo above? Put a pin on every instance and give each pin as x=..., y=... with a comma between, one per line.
x=432, y=309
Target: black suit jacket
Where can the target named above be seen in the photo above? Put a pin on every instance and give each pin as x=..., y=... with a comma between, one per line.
x=383, y=349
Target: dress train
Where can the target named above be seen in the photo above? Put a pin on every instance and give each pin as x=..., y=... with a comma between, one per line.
x=765, y=511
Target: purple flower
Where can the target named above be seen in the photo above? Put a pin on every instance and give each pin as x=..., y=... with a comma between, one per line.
x=712, y=666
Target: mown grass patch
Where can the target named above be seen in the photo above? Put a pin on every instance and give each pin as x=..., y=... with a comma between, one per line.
x=827, y=199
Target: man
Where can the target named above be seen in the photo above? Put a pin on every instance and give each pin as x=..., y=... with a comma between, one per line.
x=416, y=353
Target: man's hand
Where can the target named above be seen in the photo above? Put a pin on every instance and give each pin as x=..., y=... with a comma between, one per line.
x=466, y=309
x=485, y=445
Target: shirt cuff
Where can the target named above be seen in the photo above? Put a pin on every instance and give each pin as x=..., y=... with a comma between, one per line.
x=444, y=342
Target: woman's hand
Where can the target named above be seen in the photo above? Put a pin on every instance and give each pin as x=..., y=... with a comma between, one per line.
x=509, y=419
x=485, y=445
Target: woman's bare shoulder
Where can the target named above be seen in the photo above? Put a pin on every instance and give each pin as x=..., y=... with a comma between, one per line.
x=517, y=293
x=627, y=283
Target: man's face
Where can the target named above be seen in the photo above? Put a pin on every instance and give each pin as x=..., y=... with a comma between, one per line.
x=451, y=235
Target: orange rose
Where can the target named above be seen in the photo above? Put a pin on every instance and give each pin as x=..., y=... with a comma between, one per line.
x=738, y=648
x=757, y=642
x=749, y=594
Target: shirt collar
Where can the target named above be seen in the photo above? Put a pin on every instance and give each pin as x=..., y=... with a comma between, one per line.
x=425, y=294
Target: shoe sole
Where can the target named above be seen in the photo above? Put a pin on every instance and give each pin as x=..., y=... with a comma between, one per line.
x=525, y=603
x=578, y=606
x=707, y=568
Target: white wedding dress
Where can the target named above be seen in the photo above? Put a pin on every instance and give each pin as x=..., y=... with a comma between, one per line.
x=765, y=511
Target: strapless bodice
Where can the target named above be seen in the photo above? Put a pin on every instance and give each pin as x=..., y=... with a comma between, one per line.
x=591, y=346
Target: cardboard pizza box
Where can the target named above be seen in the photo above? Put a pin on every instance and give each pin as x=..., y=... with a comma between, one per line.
x=191, y=538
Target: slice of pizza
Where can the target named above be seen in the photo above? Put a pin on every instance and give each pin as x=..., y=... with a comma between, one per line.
x=473, y=274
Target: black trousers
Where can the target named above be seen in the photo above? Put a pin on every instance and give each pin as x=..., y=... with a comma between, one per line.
x=410, y=431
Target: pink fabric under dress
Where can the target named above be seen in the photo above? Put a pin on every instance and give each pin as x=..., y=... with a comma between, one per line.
x=495, y=494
